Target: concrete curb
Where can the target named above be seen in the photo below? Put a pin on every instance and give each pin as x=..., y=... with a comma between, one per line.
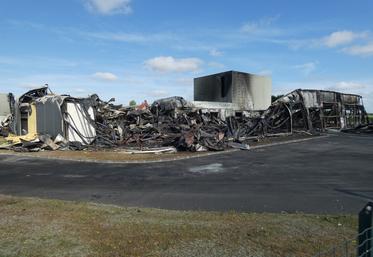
x=288, y=142
x=158, y=161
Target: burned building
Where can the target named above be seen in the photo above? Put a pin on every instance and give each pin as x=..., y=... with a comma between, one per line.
x=39, y=112
x=327, y=109
x=43, y=120
x=314, y=111
x=233, y=92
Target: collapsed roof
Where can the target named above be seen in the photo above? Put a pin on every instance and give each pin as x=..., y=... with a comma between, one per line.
x=91, y=122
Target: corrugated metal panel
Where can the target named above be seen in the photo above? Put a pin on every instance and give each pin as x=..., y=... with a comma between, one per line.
x=310, y=99
x=351, y=99
x=49, y=117
x=328, y=97
x=80, y=128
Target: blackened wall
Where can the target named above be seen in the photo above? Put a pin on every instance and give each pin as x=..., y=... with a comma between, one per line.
x=214, y=88
x=246, y=91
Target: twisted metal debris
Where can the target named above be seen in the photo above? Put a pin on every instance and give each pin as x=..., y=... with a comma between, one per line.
x=174, y=122
x=167, y=122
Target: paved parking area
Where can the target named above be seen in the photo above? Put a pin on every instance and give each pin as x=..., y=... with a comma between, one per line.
x=323, y=175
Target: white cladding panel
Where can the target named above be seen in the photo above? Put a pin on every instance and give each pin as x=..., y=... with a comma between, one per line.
x=80, y=128
x=260, y=91
x=4, y=106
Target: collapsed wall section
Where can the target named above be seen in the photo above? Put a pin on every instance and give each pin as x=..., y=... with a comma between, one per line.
x=39, y=112
x=321, y=109
x=175, y=122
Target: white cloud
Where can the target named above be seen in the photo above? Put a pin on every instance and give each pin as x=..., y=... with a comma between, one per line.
x=361, y=50
x=130, y=37
x=105, y=76
x=335, y=39
x=108, y=7
x=342, y=37
x=215, y=52
x=171, y=64
x=347, y=86
x=306, y=68
x=261, y=27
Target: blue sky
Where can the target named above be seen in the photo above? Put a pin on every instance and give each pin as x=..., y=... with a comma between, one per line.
x=142, y=49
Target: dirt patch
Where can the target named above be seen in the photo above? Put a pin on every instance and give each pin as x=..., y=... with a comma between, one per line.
x=34, y=227
x=105, y=155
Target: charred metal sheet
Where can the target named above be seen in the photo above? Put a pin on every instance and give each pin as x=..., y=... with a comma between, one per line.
x=170, y=104
x=68, y=123
x=361, y=129
x=320, y=109
x=33, y=94
x=174, y=122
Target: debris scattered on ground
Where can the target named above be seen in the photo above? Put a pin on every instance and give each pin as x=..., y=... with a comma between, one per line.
x=159, y=150
x=172, y=123
x=361, y=129
x=126, y=154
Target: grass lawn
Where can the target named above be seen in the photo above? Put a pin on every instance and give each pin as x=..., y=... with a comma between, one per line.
x=35, y=227
x=370, y=115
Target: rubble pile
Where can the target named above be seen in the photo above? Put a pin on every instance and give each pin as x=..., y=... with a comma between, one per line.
x=361, y=129
x=5, y=124
x=36, y=143
x=168, y=122
x=41, y=120
x=174, y=122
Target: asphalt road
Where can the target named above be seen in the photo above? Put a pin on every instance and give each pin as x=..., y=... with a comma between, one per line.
x=324, y=175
